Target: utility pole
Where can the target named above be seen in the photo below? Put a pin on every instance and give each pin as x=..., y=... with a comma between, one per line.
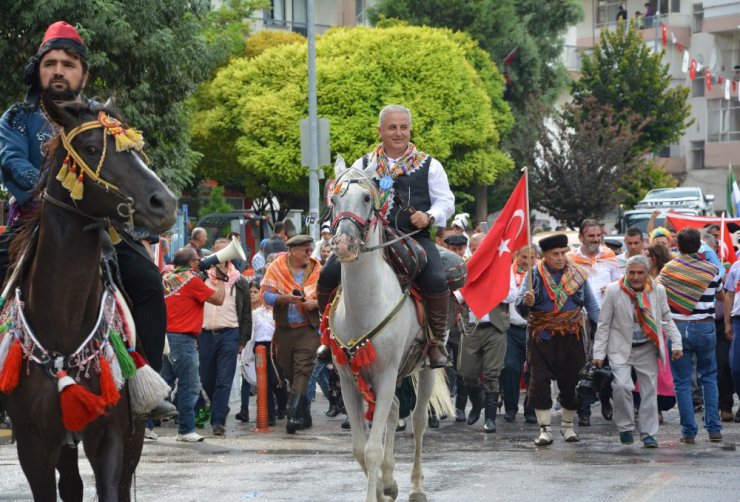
x=313, y=125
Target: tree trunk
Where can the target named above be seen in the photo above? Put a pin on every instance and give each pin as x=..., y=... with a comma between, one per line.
x=481, y=205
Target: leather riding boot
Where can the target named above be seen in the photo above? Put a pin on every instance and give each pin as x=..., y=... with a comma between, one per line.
x=295, y=413
x=323, y=296
x=437, y=306
x=461, y=400
x=476, y=398
x=491, y=408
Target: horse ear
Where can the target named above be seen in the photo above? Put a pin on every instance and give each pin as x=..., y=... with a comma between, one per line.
x=371, y=167
x=110, y=104
x=339, y=166
x=60, y=115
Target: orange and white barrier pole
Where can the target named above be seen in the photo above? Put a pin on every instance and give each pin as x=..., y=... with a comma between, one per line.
x=262, y=415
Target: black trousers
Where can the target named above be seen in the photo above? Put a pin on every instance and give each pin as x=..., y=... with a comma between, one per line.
x=143, y=284
x=725, y=386
x=560, y=358
x=430, y=280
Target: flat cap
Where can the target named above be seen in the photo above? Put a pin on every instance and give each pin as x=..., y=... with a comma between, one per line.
x=456, y=240
x=299, y=240
x=554, y=242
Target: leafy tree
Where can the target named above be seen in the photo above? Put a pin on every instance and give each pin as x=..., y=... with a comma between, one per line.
x=149, y=54
x=649, y=175
x=624, y=73
x=251, y=111
x=531, y=30
x=581, y=159
x=216, y=202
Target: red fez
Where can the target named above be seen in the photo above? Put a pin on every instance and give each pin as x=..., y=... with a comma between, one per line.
x=61, y=29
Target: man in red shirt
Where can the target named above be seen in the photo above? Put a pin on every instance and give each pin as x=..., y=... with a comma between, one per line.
x=185, y=293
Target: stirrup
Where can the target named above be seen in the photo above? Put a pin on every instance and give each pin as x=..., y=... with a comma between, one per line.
x=545, y=437
x=566, y=430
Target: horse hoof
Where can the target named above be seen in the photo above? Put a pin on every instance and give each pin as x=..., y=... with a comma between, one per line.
x=418, y=497
x=391, y=491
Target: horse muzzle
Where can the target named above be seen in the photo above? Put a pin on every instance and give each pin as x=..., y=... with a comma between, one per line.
x=346, y=247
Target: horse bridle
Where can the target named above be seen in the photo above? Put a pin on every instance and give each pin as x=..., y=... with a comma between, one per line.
x=364, y=224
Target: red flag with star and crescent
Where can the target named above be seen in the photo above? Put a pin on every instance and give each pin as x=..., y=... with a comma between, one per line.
x=727, y=236
x=489, y=269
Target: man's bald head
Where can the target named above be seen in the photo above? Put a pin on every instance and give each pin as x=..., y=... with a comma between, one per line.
x=475, y=241
x=184, y=256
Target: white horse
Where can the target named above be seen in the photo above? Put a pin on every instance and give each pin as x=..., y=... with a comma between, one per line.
x=371, y=302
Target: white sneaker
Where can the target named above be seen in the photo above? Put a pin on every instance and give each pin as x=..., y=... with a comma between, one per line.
x=190, y=437
x=150, y=434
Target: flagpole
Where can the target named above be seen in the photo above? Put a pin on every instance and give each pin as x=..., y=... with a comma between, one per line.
x=721, y=243
x=529, y=231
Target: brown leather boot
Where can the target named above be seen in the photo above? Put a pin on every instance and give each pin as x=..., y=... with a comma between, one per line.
x=323, y=296
x=437, y=306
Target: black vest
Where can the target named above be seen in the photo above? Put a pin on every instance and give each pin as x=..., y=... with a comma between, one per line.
x=409, y=190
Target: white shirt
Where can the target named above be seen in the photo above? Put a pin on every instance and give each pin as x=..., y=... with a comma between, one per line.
x=601, y=273
x=263, y=325
x=440, y=195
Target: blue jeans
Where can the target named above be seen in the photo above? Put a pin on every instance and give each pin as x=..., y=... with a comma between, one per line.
x=699, y=341
x=516, y=353
x=184, y=361
x=735, y=353
x=321, y=375
x=217, y=352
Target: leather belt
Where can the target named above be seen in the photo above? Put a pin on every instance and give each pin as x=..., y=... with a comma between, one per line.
x=699, y=321
x=219, y=330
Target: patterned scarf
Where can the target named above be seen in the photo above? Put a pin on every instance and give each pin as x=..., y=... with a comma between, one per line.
x=643, y=312
x=409, y=162
x=685, y=278
x=280, y=278
x=571, y=281
x=519, y=274
x=604, y=254
x=173, y=281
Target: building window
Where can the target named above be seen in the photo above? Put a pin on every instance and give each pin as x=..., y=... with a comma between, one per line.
x=360, y=15
x=723, y=120
x=697, y=87
x=697, y=155
x=606, y=11
x=698, y=18
x=300, y=16
x=276, y=15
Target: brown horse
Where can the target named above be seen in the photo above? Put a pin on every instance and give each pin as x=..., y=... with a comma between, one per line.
x=62, y=289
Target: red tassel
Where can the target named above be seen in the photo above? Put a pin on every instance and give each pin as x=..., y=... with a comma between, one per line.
x=138, y=360
x=371, y=354
x=79, y=405
x=339, y=355
x=108, y=390
x=11, y=372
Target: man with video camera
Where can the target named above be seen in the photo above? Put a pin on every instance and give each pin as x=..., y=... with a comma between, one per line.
x=185, y=295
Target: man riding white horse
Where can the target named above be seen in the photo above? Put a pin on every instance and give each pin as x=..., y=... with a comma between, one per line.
x=423, y=198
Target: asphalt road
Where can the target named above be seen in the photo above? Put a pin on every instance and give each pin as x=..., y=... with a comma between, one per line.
x=460, y=463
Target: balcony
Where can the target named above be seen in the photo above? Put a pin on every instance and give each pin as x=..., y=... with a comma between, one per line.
x=260, y=23
x=571, y=58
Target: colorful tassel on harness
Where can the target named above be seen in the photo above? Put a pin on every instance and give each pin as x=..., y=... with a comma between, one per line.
x=128, y=139
x=137, y=358
x=128, y=368
x=79, y=405
x=69, y=180
x=64, y=170
x=78, y=190
x=11, y=372
x=146, y=389
x=108, y=389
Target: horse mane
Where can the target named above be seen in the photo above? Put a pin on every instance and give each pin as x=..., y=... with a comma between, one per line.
x=26, y=237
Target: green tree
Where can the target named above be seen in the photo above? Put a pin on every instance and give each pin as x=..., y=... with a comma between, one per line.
x=581, y=159
x=216, y=202
x=149, y=54
x=253, y=107
x=531, y=30
x=624, y=73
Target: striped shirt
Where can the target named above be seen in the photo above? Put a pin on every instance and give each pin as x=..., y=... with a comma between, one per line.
x=704, y=308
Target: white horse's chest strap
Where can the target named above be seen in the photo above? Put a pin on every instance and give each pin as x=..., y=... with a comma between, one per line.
x=353, y=344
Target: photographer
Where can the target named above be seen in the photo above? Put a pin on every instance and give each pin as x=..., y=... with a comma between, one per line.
x=185, y=294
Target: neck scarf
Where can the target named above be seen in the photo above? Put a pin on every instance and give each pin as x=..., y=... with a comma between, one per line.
x=173, y=281
x=231, y=272
x=519, y=274
x=685, y=278
x=409, y=162
x=571, y=281
x=604, y=254
x=280, y=278
x=643, y=312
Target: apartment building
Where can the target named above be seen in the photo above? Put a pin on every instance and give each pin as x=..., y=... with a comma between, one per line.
x=710, y=32
x=291, y=15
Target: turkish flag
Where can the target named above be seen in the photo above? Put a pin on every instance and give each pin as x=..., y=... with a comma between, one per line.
x=708, y=78
x=664, y=30
x=692, y=69
x=489, y=269
x=731, y=230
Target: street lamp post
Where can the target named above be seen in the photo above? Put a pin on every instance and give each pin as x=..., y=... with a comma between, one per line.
x=313, y=125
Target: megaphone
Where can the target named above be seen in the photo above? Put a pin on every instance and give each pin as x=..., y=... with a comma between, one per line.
x=233, y=251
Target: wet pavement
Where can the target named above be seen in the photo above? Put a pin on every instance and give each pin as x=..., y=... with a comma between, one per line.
x=460, y=463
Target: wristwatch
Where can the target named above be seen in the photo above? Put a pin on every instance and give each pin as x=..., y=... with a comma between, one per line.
x=431, y=219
